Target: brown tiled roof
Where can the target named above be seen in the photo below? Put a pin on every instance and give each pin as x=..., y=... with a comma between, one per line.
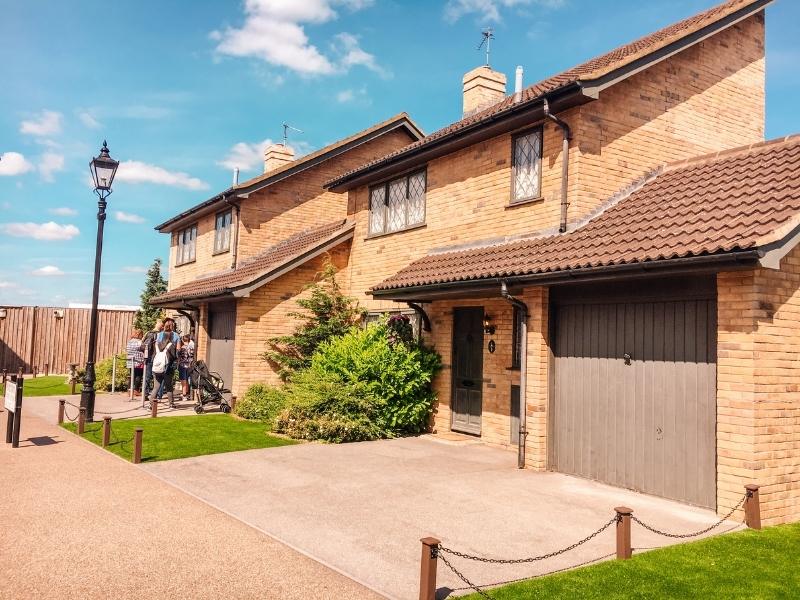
x=588, y=71
x=735, y=200
x=400, y=119
x=291, y=250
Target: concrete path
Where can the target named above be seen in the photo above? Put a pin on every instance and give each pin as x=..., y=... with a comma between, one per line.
x=363, y=507
x=78, y=522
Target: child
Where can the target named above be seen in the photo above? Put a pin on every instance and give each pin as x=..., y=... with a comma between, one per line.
x=185, y=362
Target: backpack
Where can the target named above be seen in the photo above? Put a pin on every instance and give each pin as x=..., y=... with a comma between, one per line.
x=161, y=360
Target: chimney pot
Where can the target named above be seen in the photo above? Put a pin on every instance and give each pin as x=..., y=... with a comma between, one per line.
x=482, y=88
x=277, y=155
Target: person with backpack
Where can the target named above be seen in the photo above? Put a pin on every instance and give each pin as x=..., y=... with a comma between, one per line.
x=167, y=345
x=148, y=348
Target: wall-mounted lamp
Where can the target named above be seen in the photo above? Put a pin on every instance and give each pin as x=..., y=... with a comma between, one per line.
x=488, y=328
x=3, y=313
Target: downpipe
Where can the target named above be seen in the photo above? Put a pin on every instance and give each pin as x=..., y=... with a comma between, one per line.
x=562, y=227
x=523, y=368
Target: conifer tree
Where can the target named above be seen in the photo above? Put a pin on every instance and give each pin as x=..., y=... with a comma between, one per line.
x=147, y=315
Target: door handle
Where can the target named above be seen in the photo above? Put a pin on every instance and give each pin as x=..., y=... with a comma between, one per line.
x=627, y=358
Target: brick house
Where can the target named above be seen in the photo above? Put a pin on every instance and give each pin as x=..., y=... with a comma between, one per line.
x=239, y=260
x=606, y=261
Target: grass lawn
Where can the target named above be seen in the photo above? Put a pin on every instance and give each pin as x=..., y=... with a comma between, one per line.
x=52, y=385
x=166, y=438
x=748, y=564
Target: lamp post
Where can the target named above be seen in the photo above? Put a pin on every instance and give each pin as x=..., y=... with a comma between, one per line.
x=103, y=169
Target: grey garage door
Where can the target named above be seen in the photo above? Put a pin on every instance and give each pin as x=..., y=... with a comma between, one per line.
x=634, y=392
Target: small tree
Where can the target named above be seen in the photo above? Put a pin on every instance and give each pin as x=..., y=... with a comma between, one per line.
x=329, y=313
x=154, y=285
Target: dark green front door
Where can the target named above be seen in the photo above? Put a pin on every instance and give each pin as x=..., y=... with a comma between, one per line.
x=467, y=369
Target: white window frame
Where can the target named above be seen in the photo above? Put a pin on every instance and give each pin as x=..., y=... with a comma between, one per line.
x=186, y=247
x=223, y=225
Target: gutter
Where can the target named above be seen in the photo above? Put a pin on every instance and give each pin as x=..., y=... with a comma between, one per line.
x=567, y=136
x=523, y=368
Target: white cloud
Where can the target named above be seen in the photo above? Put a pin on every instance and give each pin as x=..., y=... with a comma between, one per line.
x=47, y=123
x=351, y=96
x=7, y=285
x=47, y=271
x=245, y=156
x=134, y=171
x=88, y=120
x=49, y=231
x=134, y=269
x=489, y=10
x=127, y=217
x=50, y=163
x=14, y=163
x=273, y=31
x=63, y=211
x=352, y=54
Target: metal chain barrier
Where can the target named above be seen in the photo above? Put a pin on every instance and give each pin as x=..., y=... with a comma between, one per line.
x=460, y=575
x=516, y=561
x=66, y=414
x=696, y=533
x=102, y=412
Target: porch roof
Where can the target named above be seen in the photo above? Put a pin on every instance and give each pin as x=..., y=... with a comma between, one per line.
x=261, y=268
x=737, y=205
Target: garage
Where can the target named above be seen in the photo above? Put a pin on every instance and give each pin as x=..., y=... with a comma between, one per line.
x=633, y=388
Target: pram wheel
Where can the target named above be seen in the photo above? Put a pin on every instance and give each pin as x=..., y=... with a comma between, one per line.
x=226, y=408
x=198, y=408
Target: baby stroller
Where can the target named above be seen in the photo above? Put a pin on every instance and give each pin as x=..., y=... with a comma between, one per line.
x=209, y=387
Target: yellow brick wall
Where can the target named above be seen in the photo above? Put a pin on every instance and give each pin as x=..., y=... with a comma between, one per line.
x=707, y=98
x=758, y=389
x=280, y=210
x=265, y=314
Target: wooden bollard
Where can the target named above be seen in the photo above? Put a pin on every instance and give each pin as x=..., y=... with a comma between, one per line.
x=81, y=420
x=5, y=376
x=106, y=431
x=72, y=387
x=46, y=369
x=61, y=404
x=427, y=568
x=752, y=507
x=137, y=446
x=624, y=550
x=35, y=371
x=153, y=407
x=233, y=403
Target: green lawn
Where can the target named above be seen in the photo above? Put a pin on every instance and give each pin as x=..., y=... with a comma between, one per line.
x=166, y=438
x=748, y=564
x=52, y=385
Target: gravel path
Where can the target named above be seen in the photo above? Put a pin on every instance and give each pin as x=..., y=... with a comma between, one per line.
x=78, y=522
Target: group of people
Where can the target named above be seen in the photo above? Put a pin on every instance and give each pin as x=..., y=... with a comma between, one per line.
x=155, y=359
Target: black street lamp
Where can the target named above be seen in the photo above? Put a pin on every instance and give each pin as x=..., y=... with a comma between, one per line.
x=103, y=169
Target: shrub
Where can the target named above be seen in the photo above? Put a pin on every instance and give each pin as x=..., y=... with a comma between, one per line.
x=103, y=371
x=321, y=406
x=261, y=402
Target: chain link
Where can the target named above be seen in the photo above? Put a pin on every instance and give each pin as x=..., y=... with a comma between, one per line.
x=696, y=533
x=66, y=414
x=516, y=561
x=460, y=575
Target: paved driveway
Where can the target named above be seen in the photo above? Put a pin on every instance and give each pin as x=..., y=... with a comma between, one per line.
x=362, y=508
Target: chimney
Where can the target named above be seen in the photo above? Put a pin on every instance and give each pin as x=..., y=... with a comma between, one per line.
x=276, y=156
x=482, y=88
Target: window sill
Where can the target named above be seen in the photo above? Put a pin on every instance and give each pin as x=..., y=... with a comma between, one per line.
x=218, y=252
x=524, y=201
x=513, y=368
x=373, y=236
x=188, y=262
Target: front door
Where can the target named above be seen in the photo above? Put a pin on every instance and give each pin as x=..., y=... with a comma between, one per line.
x=467, y=369
x=221, y=338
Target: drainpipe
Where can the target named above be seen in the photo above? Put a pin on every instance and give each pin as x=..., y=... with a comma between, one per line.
x=235, y=242
x=564, y=163
x=523, y=368
x=426, y=322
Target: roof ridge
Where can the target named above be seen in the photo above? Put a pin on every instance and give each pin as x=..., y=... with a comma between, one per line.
x=714, y=156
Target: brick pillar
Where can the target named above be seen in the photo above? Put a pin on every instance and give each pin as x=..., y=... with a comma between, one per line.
x=537, y=385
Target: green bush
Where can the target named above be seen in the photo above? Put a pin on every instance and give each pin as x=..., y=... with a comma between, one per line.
x=321, y=406
x=261, y=402
x=103, y=371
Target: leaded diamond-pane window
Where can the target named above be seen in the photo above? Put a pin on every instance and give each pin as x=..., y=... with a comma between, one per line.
x=527, y=166
x=377, y=210
x=397, y=204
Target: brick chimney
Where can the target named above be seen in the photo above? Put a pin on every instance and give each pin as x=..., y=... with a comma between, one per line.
x=482, y=88
x=276, y=156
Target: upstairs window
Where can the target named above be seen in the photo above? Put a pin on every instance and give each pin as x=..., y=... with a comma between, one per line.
x=527, y=166
x=222, y=232
x=397, y=204
x=187, y=239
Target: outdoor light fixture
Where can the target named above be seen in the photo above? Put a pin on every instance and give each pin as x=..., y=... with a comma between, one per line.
x=103, y=169
x=488, y=328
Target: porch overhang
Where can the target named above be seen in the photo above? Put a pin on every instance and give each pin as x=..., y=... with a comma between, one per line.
x=490, y=287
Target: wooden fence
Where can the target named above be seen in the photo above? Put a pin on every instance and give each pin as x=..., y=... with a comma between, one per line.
x=35, y=336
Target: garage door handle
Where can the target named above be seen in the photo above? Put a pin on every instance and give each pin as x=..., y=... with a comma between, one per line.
x=627, y=358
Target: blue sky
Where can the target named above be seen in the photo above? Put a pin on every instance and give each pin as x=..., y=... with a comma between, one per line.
x=183, y=90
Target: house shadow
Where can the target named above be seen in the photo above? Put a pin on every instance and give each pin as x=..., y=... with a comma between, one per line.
x=42, y=440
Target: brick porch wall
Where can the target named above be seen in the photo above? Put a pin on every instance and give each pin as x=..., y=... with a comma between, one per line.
x=758, y=397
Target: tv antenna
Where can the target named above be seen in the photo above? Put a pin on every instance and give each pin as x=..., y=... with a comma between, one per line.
x=286, y=128
x=488, y=36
